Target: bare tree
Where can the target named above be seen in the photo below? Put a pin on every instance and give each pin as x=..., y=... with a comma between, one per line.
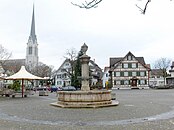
x=94, y=4
x=4, y=55
x=71, y=55
x=163, y=64
x=43, y=70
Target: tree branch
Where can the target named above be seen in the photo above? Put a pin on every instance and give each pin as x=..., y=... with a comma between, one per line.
x=143, y=11
x=88, y=5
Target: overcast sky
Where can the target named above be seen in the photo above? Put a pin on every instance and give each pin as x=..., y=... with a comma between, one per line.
x=112, y=29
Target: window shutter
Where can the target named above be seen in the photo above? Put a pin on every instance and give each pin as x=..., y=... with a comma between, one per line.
x=121, y=74
x=138, y=81
x=130, y=73
x=114, y=74
x=114, y=82
x=136, y=65
x=129, y=65
x=138, y=73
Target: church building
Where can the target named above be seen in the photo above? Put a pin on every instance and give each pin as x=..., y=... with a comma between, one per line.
x=31, y=60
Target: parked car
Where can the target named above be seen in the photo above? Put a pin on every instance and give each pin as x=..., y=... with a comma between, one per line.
x=69, y=88
x=53, y=89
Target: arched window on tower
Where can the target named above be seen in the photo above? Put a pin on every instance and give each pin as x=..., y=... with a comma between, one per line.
x=30, y=51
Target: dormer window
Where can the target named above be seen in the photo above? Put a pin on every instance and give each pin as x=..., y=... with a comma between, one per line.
x=129, y=57
x=66, y=64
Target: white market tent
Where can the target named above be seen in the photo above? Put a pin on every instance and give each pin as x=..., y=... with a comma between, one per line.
x=22, y=74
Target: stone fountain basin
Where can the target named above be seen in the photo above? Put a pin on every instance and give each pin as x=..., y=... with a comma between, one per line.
x=85, y=99
x=84, y=96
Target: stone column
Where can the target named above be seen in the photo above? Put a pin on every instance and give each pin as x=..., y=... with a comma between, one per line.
x=85, y=68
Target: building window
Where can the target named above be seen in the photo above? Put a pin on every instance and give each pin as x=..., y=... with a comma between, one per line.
x=64, y=75
x=134, y=65
x=125, y=73
x=117, y=74
x=126, y=82
x=58, y=76
x=118, y=82
x=129, y=57
x=30, y=50
x=67, y=64
x=134, y=73
x=142, y=82
x=59, y=82
x=142, y=73
x=125, y=65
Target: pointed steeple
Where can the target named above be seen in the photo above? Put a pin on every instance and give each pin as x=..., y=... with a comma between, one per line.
x=32, y=33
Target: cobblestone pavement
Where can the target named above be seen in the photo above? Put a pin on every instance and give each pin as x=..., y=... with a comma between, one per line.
x=138, y=110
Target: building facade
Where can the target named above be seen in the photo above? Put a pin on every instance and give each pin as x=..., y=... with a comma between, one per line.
x=129, y=72
x=156, y=78
x=62, y=77
x=170, y=79
x=105, y=78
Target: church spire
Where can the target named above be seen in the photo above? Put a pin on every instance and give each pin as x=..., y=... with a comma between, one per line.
x=32, y=33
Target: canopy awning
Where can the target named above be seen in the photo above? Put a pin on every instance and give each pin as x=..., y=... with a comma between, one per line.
x=23, y=74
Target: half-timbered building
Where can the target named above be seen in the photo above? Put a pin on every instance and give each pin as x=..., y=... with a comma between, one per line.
x=129, y=72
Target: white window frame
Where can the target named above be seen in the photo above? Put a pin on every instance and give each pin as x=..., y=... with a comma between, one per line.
x=117, y=74
x=142, y=82
x=125, y=65
x=134, y=73
x=129, y=57
x=142, y=73
x=134, y=65
x=126, y=82
x=118, y=82
x=126, y=74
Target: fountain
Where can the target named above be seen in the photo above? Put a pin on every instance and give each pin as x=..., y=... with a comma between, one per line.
x=85, y=98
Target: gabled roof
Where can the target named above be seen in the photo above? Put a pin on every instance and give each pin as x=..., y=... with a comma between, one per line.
x=156, y=72
x=92, y=66
x=117, y=60
x=66, y=60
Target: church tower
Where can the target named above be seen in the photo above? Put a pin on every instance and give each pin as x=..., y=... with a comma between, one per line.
x=32, y=47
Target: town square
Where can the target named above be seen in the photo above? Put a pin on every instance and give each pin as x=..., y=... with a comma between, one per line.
x=150, y=109
x=86, y=65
